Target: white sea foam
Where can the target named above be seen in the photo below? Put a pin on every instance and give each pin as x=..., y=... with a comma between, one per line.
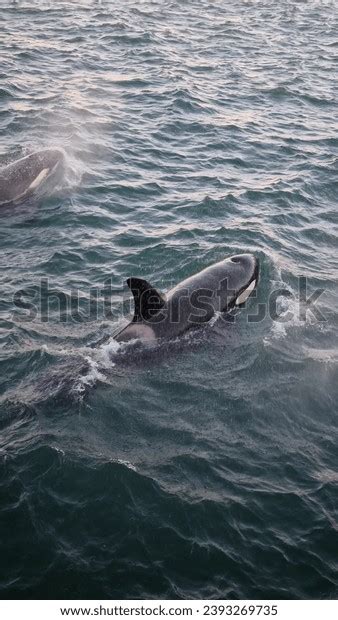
x=126, y=464
x=291, y=314
x=91, y=377
x=99, y=361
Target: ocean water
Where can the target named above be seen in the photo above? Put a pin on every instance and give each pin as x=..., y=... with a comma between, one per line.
x=204, y=467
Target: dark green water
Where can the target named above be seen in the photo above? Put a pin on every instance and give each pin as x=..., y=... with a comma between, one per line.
x=206, y=467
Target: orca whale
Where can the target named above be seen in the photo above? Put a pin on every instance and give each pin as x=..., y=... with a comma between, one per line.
x=23, y=177
x=193, y=302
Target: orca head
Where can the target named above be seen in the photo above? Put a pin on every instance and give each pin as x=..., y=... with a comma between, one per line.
x=49, y=158
x=44, y=165
x=240, y=279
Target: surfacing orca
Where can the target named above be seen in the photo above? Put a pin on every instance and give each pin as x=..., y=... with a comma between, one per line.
x=218, y=288
x=23, y=177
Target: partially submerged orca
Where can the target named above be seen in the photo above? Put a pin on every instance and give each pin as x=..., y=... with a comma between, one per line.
x=23, y=177
x=194, y=301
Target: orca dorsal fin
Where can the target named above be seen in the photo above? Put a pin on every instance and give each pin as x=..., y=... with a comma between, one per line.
x=148, y=301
